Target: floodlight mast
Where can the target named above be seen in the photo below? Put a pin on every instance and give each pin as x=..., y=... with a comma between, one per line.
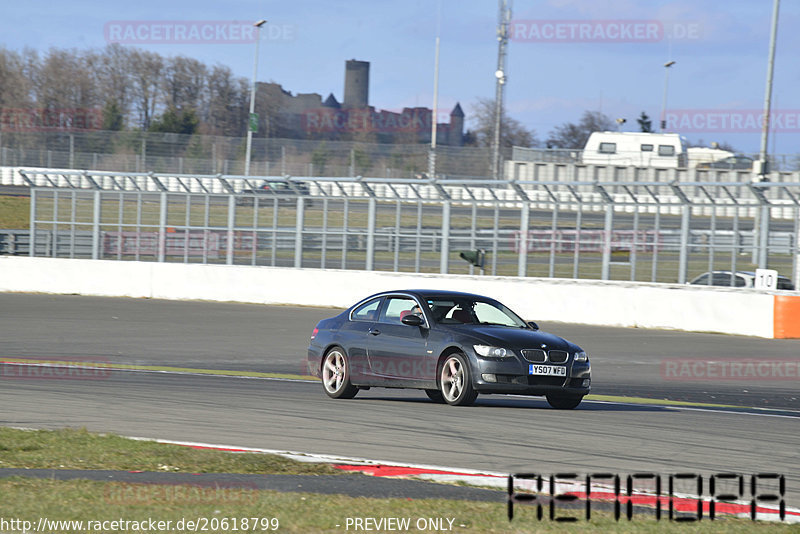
x=258, y=25
x=500, y=76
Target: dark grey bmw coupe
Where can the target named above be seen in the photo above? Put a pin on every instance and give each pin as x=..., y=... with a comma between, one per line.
x=451, y=345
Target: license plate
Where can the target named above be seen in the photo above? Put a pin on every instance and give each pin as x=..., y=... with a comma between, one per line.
x=547, y=370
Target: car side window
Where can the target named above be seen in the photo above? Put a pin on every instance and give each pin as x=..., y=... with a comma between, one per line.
x=396, y=308
x=704, y=280
x=725, y=279
x=367, y=311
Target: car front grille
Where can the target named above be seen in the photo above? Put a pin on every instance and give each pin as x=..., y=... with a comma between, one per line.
x=539, y=356
x=534, y=355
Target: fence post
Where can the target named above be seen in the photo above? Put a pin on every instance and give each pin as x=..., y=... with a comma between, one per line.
x=231, y=222
x=608, y=230
x=371, y=233
x=444, y=263
x=683, y=260
x=763, y=239
x=162, y=227
x=524, y=223
x=96, y=227
x=32, y=244
x=298, y=234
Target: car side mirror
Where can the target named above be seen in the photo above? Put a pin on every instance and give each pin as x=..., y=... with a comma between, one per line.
x=533, y=325
x=412, y=320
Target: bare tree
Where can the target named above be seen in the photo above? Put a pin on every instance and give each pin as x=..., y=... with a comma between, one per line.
x=64, y=81
x=15, y=86
x=512, y=132
x=184, y=81
x=112, y=68
x=226, y=110
x=146, y=75
x=570, y=135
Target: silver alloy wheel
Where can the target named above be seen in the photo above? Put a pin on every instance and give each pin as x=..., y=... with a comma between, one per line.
x=334, y=372
x=455, y=381
x=336, y=375
x=452, y=379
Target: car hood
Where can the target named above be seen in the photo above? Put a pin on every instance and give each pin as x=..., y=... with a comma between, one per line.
x=503, y=336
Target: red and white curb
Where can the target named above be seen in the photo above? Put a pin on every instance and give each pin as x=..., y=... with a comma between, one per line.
x=684, y=503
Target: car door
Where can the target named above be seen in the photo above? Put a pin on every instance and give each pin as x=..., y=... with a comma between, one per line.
x=355, y=337
x=397, y=350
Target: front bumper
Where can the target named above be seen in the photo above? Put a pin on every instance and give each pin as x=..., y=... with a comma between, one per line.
x=511, y=376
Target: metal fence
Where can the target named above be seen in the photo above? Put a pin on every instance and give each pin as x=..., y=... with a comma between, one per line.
x=134, y=151
x=637, y=231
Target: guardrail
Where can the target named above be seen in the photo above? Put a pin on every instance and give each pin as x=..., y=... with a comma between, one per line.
x=640, y=231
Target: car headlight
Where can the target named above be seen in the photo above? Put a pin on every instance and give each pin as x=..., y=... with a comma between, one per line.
x=581, y=356
x=492, y=352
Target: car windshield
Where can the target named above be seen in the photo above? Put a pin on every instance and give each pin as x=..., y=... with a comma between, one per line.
x=464, y=310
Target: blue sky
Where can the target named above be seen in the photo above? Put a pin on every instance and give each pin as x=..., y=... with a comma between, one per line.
x=720, y=49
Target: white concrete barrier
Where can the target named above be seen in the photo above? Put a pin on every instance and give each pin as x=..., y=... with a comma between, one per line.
x=626, y=304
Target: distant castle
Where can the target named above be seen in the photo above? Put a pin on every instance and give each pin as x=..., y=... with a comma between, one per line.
x=306, y=116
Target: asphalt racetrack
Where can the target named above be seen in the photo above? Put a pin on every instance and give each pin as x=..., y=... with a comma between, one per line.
x=499, y=433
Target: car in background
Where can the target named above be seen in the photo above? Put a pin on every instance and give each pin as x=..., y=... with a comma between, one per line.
x=737, y=163
x=285, y=191
x=452, y=345
x=737, y=279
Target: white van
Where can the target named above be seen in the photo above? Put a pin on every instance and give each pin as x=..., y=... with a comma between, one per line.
x=663, y=150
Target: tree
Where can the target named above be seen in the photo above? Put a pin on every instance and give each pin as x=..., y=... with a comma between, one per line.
x=227, y=103
x=14, y=84
x=175, y=121
x=112, y=75
x=645, y=124
x=64, y=82
x=184, y=81
x=146, y=70
x=512, y=132
x=570, y=135
x=113, y=119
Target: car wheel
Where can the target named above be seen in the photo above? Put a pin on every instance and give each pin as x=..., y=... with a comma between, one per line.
x=336, y=375
x=435, y=395
x=564, y=402
x=455, y=381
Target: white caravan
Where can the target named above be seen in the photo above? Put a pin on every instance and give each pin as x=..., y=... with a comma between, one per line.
x=663, y=150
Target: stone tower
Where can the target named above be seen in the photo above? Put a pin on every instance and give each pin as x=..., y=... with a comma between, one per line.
x=356, y=84
x=456, y=133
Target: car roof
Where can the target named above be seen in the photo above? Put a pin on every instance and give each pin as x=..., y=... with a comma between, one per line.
x=428, y=293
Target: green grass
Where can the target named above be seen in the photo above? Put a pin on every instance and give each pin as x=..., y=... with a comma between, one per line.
x=79, y=449
x=303, y=512
x=83, y=500
x=15, y=212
